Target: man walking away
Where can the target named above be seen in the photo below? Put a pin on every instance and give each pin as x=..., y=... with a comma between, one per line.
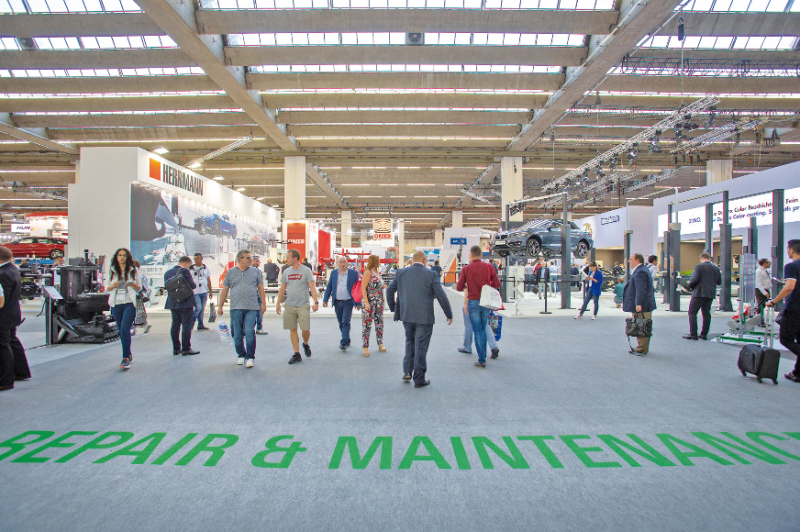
x=528, y=276
x=201, y=276
x=763, y=286
x=273, y=272
x=705, y=279
x=13, y=362
x=790, y=322
x=474, y=276
x=246, y=287
x=340, y=285
x=639, y=298
x=296, y=281
x=416, y=287
x=259, y=316
x=436, y=268
x=182, y=312
x=652, y=265
x=308, y=265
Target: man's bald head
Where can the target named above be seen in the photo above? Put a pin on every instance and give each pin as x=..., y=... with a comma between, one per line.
x=420, y=256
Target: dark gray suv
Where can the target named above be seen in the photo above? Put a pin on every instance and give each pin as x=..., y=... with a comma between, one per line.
x=541, y=237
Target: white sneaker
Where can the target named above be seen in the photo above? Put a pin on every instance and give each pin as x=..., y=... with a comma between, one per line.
x=250, y=363
x=240, y=361
x=578, y=317
x=594, y=318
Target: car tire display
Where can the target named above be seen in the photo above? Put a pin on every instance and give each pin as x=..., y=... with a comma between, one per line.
x=582, y=250
x=56, y=253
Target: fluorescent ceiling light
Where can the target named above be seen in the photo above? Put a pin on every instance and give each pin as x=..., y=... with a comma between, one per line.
x=217, y=178
x=194, y=165
x=240, y=189
x=160, y=150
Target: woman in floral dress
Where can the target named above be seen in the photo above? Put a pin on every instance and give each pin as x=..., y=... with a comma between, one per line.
x=372, y=310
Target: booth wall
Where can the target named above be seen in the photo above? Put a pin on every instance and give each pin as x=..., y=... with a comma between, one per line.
x=786, y=177
x=608, y=231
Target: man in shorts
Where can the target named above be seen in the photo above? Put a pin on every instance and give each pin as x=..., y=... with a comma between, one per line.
x=296, y=281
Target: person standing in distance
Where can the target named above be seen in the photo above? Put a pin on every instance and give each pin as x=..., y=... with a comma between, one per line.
x=372, y=303
x=201, y=276
x=763, y=286
x=415, y=288
x=296, y=281
x=474, y=276
x=340, y=285
x=182, y=312
x=436, y=268
x=124, y=284
x=246, y=287
x=705, y=279
x=790, y=323
x=259, y=316
x=273, y=271
x=13, y=362
x=639, y=298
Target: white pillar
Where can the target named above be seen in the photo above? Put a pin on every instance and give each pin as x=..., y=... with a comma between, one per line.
x=401, y=242
x=511, y=184
x=458, y=219
x=719, y=170
x=438, y=237
x=294, y=188
x=347, y=227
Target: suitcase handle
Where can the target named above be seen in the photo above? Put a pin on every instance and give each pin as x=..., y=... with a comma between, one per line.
x=769, y=331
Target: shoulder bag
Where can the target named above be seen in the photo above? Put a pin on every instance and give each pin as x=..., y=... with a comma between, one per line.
x=490, y=296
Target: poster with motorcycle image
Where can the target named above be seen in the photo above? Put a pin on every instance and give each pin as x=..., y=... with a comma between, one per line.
x=165, y=227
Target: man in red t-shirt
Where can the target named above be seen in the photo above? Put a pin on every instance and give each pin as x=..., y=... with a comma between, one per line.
x=474, y=276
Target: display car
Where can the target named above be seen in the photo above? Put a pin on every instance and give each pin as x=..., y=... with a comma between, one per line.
x=541, y=237
x=37, y=246
x=215, y=224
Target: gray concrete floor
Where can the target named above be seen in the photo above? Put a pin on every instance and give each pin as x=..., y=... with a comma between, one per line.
x=554, y=377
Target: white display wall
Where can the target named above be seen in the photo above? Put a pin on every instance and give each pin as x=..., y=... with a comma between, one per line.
x=609, y=227
x=128, y=197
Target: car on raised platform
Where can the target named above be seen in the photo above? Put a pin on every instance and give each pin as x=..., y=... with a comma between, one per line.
x=215, y=224
x=541, y=237
x=37, y=246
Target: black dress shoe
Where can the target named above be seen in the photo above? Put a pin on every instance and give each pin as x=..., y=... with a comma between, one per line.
x=202, y=328
x=703, y=337
x=9, y=387
x=495, y=352
x=407, y=377
x=176, y=352
x=22, y=378
x=689, y=337
x=190, y=352
x=423, y=383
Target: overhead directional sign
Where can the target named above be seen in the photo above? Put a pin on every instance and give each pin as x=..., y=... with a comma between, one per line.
x=458, y=241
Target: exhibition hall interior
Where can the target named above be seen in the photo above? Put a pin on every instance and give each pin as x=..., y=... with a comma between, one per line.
x=448, y=265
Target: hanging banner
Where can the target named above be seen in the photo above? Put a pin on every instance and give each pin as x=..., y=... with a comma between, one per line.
x=296, y=237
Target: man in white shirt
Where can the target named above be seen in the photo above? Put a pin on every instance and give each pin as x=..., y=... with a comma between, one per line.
x=201, y=276
x=763, y=285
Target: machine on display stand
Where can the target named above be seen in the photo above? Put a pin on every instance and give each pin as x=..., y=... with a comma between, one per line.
x=76, y=312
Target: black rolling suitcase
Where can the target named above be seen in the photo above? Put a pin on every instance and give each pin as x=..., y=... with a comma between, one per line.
x=762, y=360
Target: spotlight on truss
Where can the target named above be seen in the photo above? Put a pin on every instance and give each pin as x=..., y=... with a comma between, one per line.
x=633, y=154
x=598, y=172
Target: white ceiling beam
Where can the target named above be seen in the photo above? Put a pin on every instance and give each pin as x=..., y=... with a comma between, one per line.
x=134, y=103
x=9, y=128
x=61, y=59
x=402, y=20
x=176, y=119
x=404, y=117
x=442, y=55
x=77, y=25
x=85, y=85
x=177, y=19
x=512, y=101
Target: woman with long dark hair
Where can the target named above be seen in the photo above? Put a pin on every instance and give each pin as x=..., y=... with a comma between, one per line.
x=372, y=297
x=124, y=284
x=595, y=280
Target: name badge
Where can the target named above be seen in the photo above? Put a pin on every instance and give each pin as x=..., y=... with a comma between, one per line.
x=122, y=294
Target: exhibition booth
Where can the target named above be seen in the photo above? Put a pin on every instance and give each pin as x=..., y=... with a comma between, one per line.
x=608, y=233
x=161, y=211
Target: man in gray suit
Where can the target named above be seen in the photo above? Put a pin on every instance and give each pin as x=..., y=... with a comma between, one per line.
x=416, y=287
x=705, y=279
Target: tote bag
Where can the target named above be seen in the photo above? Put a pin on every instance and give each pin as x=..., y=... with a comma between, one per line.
x=490, y=297
x=355, y=293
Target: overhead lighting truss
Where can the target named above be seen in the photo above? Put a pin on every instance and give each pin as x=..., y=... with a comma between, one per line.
x=651, y=180
x=629, y=149
x=225, y=149
x=672, y=66
x=718, y=135
x=473, y=195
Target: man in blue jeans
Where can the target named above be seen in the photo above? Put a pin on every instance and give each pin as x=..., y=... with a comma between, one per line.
x=474, y=276
x=469, y=336
x=246, y=286
x=340, y=285
x=201, y=276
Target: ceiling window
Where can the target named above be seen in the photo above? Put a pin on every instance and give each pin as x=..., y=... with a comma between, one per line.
x=512, y=69
x=765, y=43
x=740, y=6
x=587, y=5
x=100, y=72
x=9, y=43
x=69, y=6
x=386, y=38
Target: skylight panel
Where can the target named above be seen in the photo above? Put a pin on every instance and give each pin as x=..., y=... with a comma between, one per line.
x=739, y=6
x=90, y=73
x=71, y=6
x=12, y=6
x=9, y=43
x=571, y=5
x=524, y=69
x=386, y=38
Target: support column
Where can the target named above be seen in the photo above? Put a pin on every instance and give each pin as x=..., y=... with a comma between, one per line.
x=511, y=185
x=458, y=219
x=725, y=234
x=778, y=242
x=347, y=227
x=401, y=243
x=719, y=170
x=294, y=188
x=438, y=238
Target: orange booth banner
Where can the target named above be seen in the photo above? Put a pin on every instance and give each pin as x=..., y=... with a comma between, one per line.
x=296, y=237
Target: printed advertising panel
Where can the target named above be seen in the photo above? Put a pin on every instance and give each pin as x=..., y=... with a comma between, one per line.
x=167, y=226
x=296, y=237
x=739, y=213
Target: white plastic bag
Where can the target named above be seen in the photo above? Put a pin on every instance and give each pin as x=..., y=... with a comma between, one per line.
x=224, y=333
x=490, y=298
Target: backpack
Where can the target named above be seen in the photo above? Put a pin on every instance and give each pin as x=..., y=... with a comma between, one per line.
x=178, y=289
